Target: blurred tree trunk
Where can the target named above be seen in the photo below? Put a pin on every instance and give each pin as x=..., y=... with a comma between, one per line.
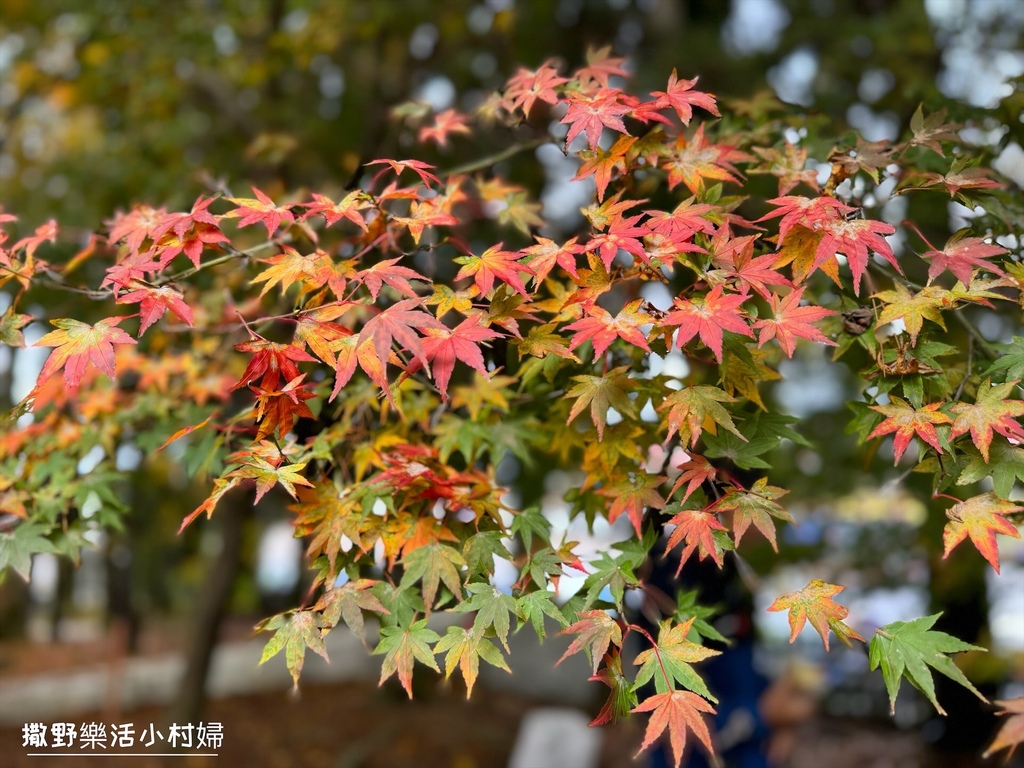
x=213, y=602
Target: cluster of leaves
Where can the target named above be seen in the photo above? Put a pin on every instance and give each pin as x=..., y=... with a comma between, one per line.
x=381, y=351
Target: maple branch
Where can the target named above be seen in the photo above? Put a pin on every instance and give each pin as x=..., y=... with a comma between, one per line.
x=497, y=157
x=232, y=254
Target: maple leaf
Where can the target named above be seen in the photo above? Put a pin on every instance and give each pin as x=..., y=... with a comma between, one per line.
x=320, y=336
x=1011, y=733
x=853, y=238
x=680, y=97
x=960, y=256
x=432, y=564
x=220, y=487
x=907, y=422
x=601, y=66
x=443, y=346
x=348, y=602
x=465, y=649
x=929, y=131
x=387, y=273
x=791, y=320
x=188, y=232
x=679, y=712
x=691, y=161
x=10, y=327
x=349, y=207
x=546, y=253
x=135, y=226
x=814, y=603
x=591, y=115
x=810, y=213
x=696, y=471
x=398, y=322
x=602, y=329
x=18, y=546
x=736, y=259
x=601, y=393
x=278, y=409
x=632, y=496
x=267, y=476
x=417, y=166
x=906, y=647
x=403, y=648
x=44, y=233
x=623, y=235
x=708, y=316
x=79, y=343
x=154, y=302
x=755, y=506
x=981, y=518
x=294, y=634
x=271, y=361
x=445, y=124
x=690, y=408
x=493, y=609
x=130, y=269
x=697, y=528
x=991, y=411
x=260, y=210
x=602, y=163
x=683, y=221
x=622, y=698
x=491, y=264
x=526, y=87
x=789, y=164
x=668, y=662
x=914, y=308
x=595, y=631
x=960, y=177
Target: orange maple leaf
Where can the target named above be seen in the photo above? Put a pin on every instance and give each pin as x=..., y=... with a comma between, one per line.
x=814, y=603
x=697, y=527
x=78, y=343
x=1012, y=731
x=907, y=421
x=989, y=412
x=981, y=518
x=678, y=711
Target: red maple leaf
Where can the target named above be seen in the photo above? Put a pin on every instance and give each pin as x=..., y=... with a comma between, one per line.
x=697, y=528
x=792, y=320
x=632, y=496
x=349, y=207
x=135, y=266
x=445, y=124
x=278, y=409
x=546, y=253
x=491, y=264
x=735, y=257
x=525, y=87
x=853, y=238
x=601, y=67
x=45, y=233
x=261, y=210
x=981, y=518
x=805, y=211
x=591, y=115
x=189, y=232
x=271, y=361
x=386, y=272
x=600, y=327
x=685, y=219
x=77, y=344
x=680, y=97
x=135, y=226
x=960, y=256
x=696, y=471
x=907, y=421
x=595, y=631
x=709, y=317
x=678, y=711
x=397, y=323
x=154, y=302
x=443, y=346
x=418, y=166
x=622, y=234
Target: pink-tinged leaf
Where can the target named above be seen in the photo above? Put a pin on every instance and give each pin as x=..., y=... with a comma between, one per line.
x=595, y=632
x=602, y=329
x=680, y=97
x=697, y=528
x=77, y=344
x=991, y=412
x=853, y=238
x=444, y=346
x=261, y=210
x=493, y=264
x=388, y=273
x=350, y=207
x=908, y=422
x=591, y=116
x=154, y=302
x=547, y=253
x=420, y=168
x=961, y=256
x=445, y=124
x=709, y=317
x=791, y=321
x=526, y=87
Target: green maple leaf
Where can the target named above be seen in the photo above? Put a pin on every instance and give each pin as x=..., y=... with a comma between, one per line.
x=1005, y=466
x=687, y=609
x=10, y=328
x=1011, y=361
x=18, y=546
x=534, y=606
x=529, y=523
x=480, y=550
x=908, y=648
x=615, y=573
x=674, y=654
x=433, y=563
x=602, y=393
x=465, y=649
x=493, y=609
x=295, y=633
x=404, y=646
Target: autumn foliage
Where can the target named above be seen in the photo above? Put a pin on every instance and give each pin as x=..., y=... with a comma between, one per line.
x=368, y=357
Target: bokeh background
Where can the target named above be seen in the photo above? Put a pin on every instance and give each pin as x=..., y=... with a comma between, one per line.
x=104, y=103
